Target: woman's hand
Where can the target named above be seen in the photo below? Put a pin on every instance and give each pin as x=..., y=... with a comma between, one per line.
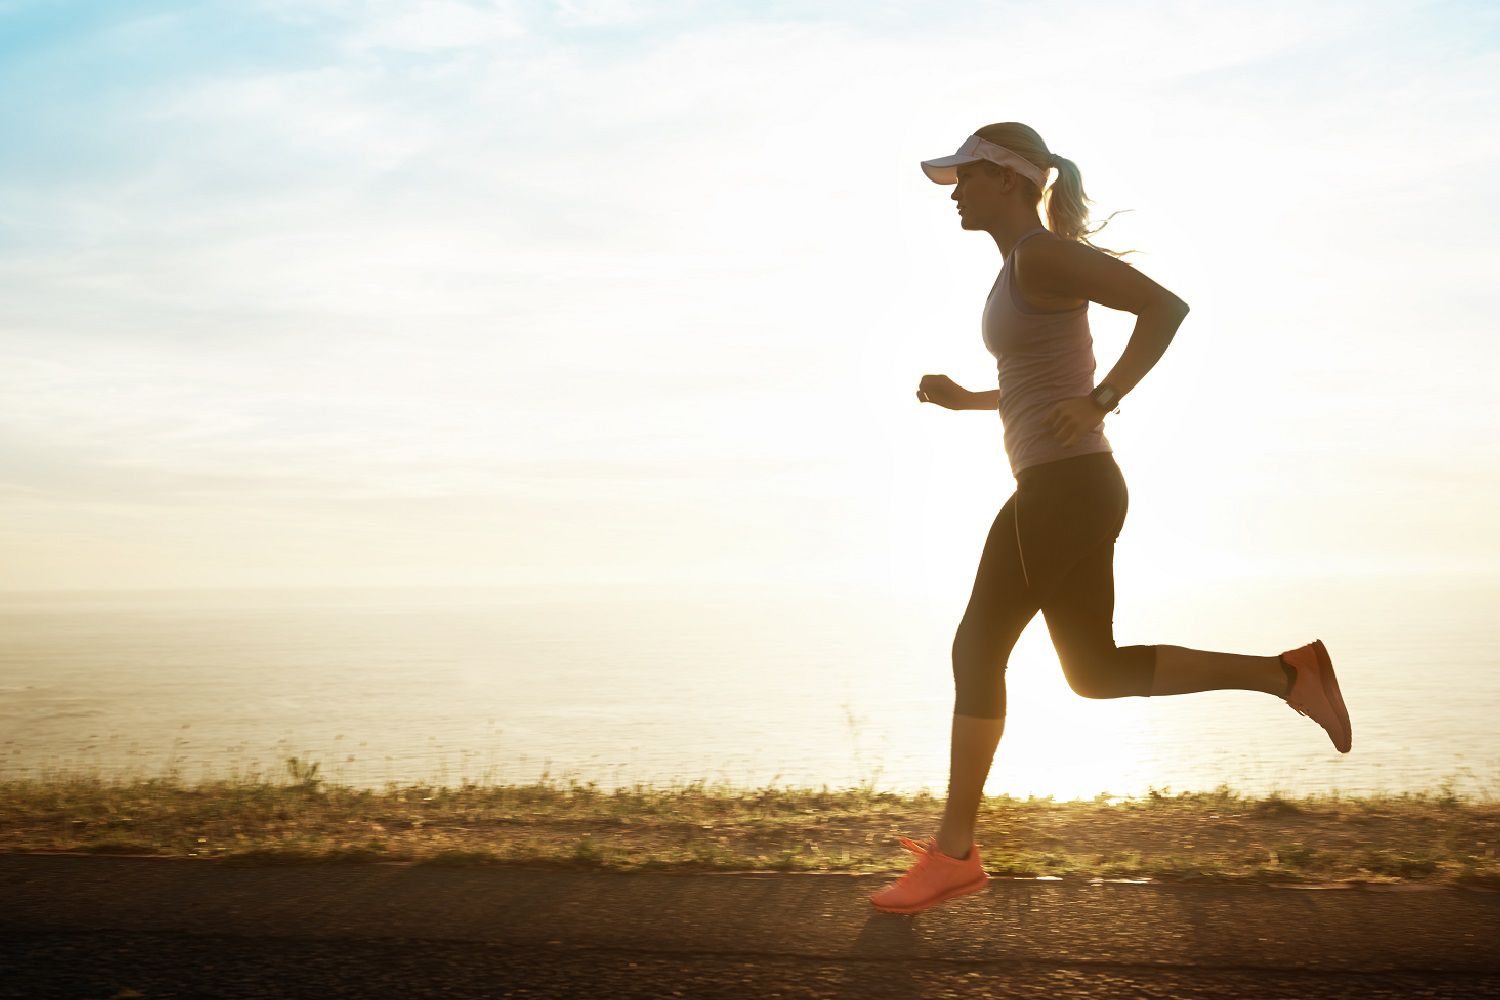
x=943, y=391
x=1073, y=418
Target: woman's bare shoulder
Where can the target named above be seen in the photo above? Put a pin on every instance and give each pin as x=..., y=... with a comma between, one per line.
x=1070, y=271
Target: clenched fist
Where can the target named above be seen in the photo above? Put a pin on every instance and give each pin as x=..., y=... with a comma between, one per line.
x=943, y=391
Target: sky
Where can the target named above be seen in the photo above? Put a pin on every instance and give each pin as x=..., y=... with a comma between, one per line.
x=340, y=293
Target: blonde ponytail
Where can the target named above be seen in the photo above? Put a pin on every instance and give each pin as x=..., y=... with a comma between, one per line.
x=1065, y=200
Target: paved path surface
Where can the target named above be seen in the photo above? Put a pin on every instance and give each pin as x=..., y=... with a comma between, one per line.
x=77, y=926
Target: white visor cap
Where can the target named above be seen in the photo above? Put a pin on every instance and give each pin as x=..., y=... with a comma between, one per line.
x=944, y=169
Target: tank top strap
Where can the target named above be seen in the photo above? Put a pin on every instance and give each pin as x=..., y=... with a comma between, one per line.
x=1024, y=237
x=1028, y=235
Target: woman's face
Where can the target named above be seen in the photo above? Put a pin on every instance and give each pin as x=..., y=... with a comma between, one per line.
x=980, y=192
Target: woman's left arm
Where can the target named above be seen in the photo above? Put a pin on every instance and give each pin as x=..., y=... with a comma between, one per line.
x=1073, y=270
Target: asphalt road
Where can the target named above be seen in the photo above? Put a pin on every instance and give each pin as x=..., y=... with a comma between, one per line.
x=77, y=926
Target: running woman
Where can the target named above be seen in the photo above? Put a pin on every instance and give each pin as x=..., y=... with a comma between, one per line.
x=1051, y=547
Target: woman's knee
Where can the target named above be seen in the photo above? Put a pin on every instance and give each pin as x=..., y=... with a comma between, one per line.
x=1093, y=683
x=1112, y=672
x=979, y=660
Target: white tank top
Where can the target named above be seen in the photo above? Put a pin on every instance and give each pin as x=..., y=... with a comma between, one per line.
x=1041, y=358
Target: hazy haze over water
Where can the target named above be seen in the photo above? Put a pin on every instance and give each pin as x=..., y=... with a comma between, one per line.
x=797, y=687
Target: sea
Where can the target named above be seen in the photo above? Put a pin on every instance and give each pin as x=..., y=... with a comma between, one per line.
x=779, y=684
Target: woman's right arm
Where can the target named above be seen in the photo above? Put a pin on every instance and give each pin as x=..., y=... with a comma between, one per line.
x=989, y=400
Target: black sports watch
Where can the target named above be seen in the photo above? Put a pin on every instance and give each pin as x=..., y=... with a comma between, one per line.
x=1105, y=396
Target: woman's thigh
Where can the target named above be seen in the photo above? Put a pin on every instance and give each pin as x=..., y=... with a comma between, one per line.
x=1080, y=615
x=1057, y=517
x=1000, y=602
x=1080, y=517
x=1067, y=513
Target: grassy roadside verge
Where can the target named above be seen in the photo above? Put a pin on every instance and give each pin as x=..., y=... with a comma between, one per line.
x=1221, y=835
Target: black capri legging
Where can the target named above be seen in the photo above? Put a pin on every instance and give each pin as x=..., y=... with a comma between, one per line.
x=1051, y=548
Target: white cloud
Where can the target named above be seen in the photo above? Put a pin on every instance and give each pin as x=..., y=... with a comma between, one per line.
x=436, y=24
x=415, y=26
x=604, y=13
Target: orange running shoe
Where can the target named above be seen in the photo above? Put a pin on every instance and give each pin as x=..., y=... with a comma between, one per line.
x=933, y=879
x=1316, y=693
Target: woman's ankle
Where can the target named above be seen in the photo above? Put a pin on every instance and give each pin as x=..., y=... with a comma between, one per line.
x=951, y=846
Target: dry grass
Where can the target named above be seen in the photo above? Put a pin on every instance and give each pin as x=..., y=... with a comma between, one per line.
x=1221, y=835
